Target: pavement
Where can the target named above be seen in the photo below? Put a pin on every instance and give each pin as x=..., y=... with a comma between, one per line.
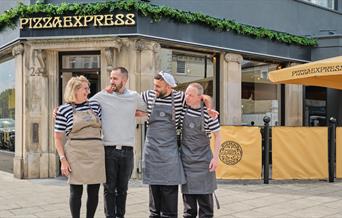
x=6, y=161
x=48, y=198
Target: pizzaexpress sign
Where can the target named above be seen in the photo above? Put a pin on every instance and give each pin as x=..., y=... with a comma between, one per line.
x=314, y=70
x=77, y=21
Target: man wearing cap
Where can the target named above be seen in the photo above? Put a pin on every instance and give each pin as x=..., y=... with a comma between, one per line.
x=162, y=167
x=198, y=161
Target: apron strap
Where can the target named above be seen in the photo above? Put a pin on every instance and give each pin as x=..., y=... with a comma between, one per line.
x=97, y=117
x=202, y=117
x=173, y=113
x=152, y=106
x=80, y=139
x=93, y=112
x=184, y=113
x=173, y=108
x=73, y=112
x=217, y=201
x=73, y=108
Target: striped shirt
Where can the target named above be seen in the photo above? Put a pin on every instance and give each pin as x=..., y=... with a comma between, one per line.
x=210, y=124
x=64, y=115
x=149, y=98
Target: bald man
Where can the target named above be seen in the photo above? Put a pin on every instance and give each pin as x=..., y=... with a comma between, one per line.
x=198, y=161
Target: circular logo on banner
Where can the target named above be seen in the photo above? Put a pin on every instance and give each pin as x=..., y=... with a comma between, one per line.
x=162, y=114
x=230, y=153
x=192, y=125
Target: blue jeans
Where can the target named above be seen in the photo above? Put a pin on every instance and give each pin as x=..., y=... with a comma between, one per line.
x=119, y=166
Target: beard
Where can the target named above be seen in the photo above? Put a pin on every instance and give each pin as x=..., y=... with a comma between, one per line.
x=116, y=88
x=161, y=94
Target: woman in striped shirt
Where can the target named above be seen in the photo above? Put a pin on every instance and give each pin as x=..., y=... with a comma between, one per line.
x=82, y=157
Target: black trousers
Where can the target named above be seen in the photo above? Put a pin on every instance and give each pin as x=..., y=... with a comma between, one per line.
x=163, y=201
x=119, y=166
x=76, y=196
x=205, y=206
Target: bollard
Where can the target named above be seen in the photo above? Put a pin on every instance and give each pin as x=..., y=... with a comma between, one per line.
x=266, y=148
x=332, y=148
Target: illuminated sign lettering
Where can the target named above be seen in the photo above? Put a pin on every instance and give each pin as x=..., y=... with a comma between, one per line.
x=77, y=21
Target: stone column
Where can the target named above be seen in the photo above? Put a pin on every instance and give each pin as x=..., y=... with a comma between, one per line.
x=147, y=63
x=37, y=120
x=293, y=105
x=146, y=67
x=109, y=60
x=52, y=74
x=140, y=57
x=230, y=89
x=18, y=162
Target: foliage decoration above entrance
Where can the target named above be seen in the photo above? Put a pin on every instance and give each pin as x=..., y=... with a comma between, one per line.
x=156, y=13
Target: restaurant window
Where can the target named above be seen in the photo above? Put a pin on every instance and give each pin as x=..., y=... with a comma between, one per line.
x=259, y=96
x=181, y=67
x=189, y=67
x=7, y=105
x=80, y=61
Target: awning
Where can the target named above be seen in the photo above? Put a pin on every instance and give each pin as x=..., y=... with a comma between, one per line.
x=325, y=73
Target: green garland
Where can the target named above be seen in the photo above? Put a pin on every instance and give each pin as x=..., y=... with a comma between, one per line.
x=156, y=13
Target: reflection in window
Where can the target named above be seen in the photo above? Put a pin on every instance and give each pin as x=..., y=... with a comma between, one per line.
x=180, y=66
x=7, y=105
x=324, y=3
x=80, y=61
x=259, y=96
x=189, y=67
x=86, y=64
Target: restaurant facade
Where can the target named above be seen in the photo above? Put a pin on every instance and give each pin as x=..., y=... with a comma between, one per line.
x=227, y=46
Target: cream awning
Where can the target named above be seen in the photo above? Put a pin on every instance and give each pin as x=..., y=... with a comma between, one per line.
x=325, y=73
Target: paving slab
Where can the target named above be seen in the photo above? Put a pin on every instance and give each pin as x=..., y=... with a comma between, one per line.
x=48, y=198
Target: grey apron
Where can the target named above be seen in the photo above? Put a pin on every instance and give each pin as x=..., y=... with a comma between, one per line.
x=196, y=156
x=161, y=158
x=84, y=149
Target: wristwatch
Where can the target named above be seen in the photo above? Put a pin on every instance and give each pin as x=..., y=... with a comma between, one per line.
x=61, y=157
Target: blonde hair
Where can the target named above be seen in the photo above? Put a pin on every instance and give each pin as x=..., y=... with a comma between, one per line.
x=72, y=86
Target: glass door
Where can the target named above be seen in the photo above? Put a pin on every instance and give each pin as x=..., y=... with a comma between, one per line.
x=315, y=106
x=80, y=63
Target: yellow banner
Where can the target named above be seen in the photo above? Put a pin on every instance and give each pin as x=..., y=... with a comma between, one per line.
x=299, y=152
x=240, y=153
x=339, y=152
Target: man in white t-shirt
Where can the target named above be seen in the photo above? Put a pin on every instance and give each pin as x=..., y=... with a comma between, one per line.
x=118, y=125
